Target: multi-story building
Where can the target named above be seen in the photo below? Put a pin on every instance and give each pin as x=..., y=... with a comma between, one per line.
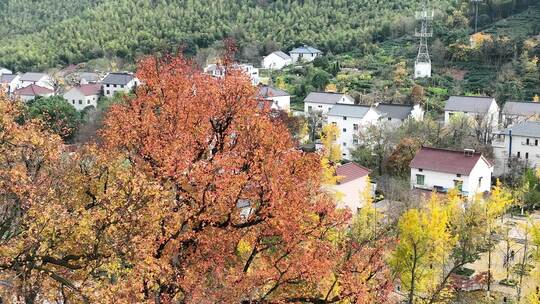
x=520, y=142
x=350, y=119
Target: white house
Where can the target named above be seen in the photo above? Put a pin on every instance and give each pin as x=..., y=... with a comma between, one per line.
x=5, y=71
x=440, y=170
x=84, y=95
x=350, y=119
x=39, y=79
x=9, y=83
x=280, y=99
x=276, y=61
x=397, y=113
x=521, y=142
x=216, y=70
x=322, y=102
x=31, y=92
x=118, y=83
x=252, y=72
x=352, y=184
x=481, y=109
x=516, y=112
x=304, y=53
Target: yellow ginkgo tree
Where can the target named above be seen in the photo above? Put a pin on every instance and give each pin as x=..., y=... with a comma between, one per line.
x=331, y=153
x=424, y=242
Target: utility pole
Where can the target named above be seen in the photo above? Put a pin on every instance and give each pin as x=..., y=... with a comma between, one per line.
x=422, y=65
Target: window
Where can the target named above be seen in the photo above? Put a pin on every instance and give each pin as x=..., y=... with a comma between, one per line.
x=519, y=154
x=355, y=127
x=344, y=117
x=420, y=179
x=334, y=123
x=344, y=144
x=319, y=106
x=389, y=118
x=122, y=86
x=73, y=101
x=526, y=155
x=80, y=101
x=355, y=141
x=108, y=85
x=421, y=170
x=536, y=142
x=344, y=130
x=108, y=92
x=458, y=175
x=527, y=141
x=114, y=85
x=88, y=102
x=479, y=182
x=309, y=108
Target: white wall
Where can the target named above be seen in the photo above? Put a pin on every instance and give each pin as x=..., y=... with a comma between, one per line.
x=529, y=153
x=350, y=194
x=79, y=101
x=9, y=88
x=422, y=69
x=417, y=113
x=347, y=134
x=281, y=103
x=109, y=89
x=303, y=57
x=317, y=107
x=481, y=170
x=275, y=62
x=446, y=180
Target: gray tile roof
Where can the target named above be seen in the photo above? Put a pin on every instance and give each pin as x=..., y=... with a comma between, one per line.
x=282, y=55
x=396, y=111
x=268, y=92
x=357, y=111
x=528, y=128
x=30, y=76
x=306, y=49
x=7, y=78
x=323, y=97
x=473, y=104
x=118, y=78
x=521, y=108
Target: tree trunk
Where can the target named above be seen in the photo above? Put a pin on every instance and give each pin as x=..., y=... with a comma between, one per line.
x=413, y=279
x=523, y=267
x=489, y=269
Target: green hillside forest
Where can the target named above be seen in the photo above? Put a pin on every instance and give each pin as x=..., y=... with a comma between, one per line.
x=366, y=35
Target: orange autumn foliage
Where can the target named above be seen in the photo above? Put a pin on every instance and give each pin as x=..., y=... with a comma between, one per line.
x=196, y=196
x=207, y=142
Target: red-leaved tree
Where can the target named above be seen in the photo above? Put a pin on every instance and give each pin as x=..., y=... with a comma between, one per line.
x=244, y=218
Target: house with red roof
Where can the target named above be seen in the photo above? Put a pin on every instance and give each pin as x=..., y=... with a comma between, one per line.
x=441, y=170
x=32, y=91
x=84, y=95
x=352, y=182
